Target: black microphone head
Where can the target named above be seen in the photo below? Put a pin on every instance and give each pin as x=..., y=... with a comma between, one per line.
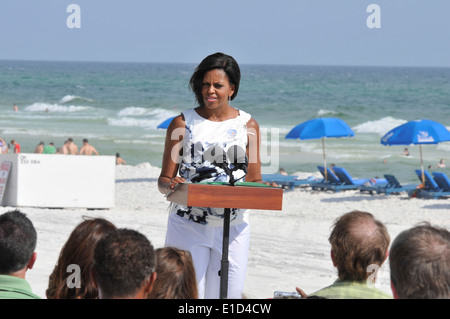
x=238, y=157
x=216, y=155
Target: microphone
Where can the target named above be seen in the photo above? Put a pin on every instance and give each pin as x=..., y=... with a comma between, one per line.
x=217, y=156
x=238, y=160
x=238, y=157
x=235, y=156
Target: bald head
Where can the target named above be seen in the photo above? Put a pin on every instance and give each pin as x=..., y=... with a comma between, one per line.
x=357, y=241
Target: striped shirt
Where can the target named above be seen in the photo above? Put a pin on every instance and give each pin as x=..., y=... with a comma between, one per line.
x=351, y=290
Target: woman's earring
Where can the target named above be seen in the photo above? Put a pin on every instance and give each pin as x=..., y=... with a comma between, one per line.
x=229, y=100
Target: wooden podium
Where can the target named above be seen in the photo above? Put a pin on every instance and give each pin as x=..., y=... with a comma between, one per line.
x=245, y=195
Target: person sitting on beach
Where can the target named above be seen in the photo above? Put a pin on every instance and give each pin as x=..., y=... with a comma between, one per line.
x=124, y=265
x=16, y=146
x=18, y=240
x=49, y=149
x=332, y=166
x=175, y=275
x=39, y=148
x=419, y=263
x=119, y=160
x=87, y=149
x=359, y=245
x=65, y=148
x=86, y=235
x=72, y=148
x=4, y=147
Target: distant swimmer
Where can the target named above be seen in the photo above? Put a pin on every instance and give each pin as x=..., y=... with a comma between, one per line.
x=119, y=160
x=441, y=164
x=87, y=149
x=405, y=152
x=16, y=108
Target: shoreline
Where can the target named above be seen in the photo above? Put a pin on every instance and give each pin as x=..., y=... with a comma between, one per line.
x=288, y=248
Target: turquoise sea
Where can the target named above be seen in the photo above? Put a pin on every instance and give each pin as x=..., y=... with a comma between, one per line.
x=118, y=106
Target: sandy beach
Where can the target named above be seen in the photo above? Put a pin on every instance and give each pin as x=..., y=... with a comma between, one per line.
x=289, y=248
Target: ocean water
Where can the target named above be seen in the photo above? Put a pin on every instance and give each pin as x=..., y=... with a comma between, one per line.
x=118, y=106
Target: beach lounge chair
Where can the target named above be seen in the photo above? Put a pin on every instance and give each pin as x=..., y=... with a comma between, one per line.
x=289, y=181
x=430, y=183
x=331, y=177
x=442, y=181
x=392, y=186
x=431, y=189
x=345, y=177
x=333, y=182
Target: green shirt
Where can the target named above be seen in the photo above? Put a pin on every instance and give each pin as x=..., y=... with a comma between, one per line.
x=351, y=290
x=48, y=149
x=15, y=288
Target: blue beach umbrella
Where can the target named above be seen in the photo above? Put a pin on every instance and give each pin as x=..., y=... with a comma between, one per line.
x=417, y=132
x=166, y=123
x=321, y=128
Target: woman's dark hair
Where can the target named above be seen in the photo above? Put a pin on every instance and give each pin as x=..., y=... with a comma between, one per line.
x=215, y=61
x=175, y=275
x=78, y=250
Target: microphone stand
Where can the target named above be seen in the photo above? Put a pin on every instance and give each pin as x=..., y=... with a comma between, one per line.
x=223, y=272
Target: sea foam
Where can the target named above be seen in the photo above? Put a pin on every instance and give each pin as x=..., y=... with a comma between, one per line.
x=47, y=107
x=70, y=98
x=380, y=127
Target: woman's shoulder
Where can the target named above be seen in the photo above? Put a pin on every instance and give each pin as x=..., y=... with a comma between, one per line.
x=248, y=119
x=189, y=115
x=245, y=117
x=177, y=121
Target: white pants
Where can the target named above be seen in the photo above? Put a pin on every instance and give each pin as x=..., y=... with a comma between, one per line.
x=205, y=245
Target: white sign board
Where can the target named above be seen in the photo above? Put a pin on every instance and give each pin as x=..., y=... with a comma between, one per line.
x=60, y=181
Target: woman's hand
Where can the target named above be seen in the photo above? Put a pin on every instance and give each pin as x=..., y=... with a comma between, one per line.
x=168, y=185
x=174, y=182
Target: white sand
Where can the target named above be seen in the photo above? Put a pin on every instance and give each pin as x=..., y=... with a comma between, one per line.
x=289, y=248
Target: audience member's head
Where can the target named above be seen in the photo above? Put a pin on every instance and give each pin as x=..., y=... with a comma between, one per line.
x=419, y=263
x=79, y=251
x=358, y=241
x=175, y=275
x=18, y=240
x=124, y=265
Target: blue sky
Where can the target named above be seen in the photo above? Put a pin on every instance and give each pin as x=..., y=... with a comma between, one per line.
x=314, y=32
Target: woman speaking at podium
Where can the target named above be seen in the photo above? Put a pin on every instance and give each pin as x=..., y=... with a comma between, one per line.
x=193, y=146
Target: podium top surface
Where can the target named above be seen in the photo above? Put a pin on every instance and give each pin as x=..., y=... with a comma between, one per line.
x=222, y=195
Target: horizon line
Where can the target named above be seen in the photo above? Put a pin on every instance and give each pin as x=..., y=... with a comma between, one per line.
x=242, y=64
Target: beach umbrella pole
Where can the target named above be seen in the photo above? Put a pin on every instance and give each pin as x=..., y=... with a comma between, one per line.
x=324, y=159
x=421, y=165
